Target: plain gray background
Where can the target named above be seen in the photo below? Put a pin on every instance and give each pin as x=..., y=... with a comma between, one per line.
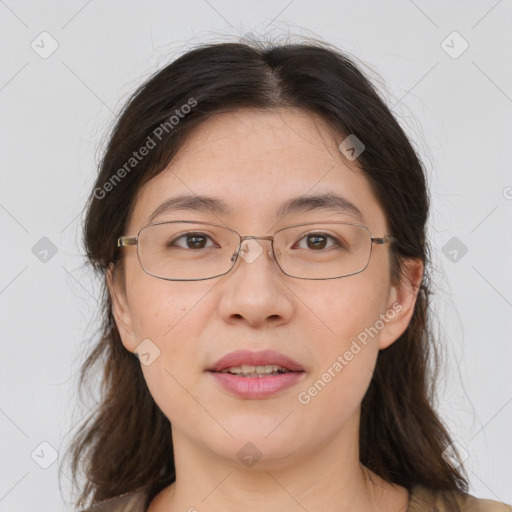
x=55, y=113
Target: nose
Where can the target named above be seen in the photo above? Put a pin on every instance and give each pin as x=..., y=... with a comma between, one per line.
x=254, y=292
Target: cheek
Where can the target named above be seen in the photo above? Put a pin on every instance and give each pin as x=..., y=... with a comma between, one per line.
x=172, y=316
x=162, y=310
x=345, y=361
x=345, y=335
x=346, y=308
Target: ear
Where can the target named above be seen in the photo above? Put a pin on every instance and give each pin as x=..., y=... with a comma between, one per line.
x=120, y=308
x=401, y=302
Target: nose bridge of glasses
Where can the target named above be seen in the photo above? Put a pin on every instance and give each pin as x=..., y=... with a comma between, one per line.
x=250, y=249
x=251, y=237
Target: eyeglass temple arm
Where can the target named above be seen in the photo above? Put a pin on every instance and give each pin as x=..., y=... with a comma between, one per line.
x=125, y=241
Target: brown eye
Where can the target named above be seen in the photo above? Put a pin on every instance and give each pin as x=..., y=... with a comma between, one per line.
x=318, y=242
x=191, y=241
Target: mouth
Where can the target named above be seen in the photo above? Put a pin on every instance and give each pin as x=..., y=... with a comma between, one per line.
x=256, y=364
x=247, y=370
x=253, y=375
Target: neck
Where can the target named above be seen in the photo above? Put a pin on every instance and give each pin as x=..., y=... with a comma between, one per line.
x=327, y=479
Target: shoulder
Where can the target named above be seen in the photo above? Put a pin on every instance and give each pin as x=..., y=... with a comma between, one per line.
x=130, y=502
x=421, y=500
x=425, y=500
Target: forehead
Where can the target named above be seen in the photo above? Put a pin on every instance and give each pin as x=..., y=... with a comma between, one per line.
x=255, y=161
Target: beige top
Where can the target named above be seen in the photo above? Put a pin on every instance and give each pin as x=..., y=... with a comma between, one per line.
x=420, y=500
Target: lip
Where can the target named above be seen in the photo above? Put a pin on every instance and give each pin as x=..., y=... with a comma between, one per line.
x=262, y=358
x=256, y=387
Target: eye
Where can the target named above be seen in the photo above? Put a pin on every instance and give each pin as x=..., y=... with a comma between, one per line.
x=191, y=241
x=318, y=241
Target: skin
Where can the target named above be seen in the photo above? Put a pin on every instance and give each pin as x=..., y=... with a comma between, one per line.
x=254, y=161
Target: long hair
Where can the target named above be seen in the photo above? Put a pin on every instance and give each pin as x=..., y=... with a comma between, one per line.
x=125, y=444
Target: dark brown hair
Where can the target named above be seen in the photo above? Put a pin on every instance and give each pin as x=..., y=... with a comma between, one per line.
x=126, y=443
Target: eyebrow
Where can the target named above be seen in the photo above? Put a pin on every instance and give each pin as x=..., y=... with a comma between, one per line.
x=192, y=202
x=326, y=202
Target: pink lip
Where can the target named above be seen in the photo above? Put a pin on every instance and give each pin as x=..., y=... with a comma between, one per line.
x=256, y=387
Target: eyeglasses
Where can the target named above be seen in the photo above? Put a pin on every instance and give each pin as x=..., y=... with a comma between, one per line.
x=194, y=251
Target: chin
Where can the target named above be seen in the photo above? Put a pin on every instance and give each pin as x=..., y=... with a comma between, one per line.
x=253, y=444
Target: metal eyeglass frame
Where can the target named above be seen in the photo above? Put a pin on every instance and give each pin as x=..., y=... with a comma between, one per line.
x=126, y=241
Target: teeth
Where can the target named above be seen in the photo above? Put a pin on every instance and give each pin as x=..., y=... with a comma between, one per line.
x=247, y=370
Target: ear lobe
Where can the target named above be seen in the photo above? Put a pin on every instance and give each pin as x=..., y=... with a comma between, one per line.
x=120, y=309
x=402, y=300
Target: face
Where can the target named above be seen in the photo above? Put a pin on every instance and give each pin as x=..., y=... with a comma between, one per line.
x=333, y=329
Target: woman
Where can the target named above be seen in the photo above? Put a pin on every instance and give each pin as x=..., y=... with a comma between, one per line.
x=259, y=219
